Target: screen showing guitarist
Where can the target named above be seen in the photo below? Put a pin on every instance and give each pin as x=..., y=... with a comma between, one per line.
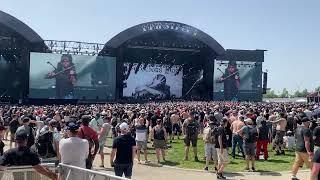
x=66, y=77
x=231, y=80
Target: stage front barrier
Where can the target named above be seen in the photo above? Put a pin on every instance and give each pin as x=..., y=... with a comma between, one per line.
x=24, y=173
x=68, y=172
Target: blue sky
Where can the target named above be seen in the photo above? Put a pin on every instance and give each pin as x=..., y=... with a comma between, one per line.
x=288, y=29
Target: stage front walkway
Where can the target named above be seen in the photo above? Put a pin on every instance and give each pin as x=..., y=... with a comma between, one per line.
x=153, y=171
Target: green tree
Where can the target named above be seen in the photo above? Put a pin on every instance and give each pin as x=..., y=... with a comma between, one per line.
x=304, y=93
x=285, y=93
x=297, y=93
x=317, y=89
x=270, y=94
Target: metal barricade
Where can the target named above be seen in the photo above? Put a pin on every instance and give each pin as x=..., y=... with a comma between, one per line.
x=68, y=172
x=24, y=173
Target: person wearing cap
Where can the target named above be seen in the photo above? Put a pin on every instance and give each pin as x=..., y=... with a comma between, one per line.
x=304, y=147
x=123, y=152
x=209, y=137
x=86, y=132
x=316, y=136
x=281, y=124
x=22, y=155
x=250, y=136
x=73, y=150
x=190, y=130
x=26, y=128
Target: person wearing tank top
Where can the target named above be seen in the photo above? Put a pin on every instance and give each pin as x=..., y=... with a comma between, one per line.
x=160, y=138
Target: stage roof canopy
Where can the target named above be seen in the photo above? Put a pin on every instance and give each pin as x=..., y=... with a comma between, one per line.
x=19, y=27
x=158, y=29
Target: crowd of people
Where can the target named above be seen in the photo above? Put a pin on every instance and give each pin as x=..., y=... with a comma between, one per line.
x=75, y=134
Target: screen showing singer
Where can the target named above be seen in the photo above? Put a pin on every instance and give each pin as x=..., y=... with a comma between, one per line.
x=66, y=77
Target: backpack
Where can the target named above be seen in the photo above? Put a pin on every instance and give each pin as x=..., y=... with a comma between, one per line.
x=252, y=135
x=191, y=129
x=44, y=145
x=211, y=137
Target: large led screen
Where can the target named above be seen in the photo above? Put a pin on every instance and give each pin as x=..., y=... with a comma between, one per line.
x=235, y=79
x=152, y=80
x=66, y=76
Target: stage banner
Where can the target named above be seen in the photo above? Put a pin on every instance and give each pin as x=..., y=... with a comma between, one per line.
x=233, y=78
x=152, y=80
x=66, y=76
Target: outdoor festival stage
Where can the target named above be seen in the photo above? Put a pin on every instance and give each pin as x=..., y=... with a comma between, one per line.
x=155, y=60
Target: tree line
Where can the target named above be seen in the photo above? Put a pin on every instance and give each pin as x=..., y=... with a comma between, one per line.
x=285, y=93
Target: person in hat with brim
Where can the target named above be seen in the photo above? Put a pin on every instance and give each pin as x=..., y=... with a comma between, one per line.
x=123, y=152
x=22, y=155
x=73, y=150
x=250, y=136
x=209, y=137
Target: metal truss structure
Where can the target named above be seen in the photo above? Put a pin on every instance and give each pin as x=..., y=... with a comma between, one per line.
x=74, y=47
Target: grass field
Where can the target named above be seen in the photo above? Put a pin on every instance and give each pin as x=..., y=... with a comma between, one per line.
x=175, y=156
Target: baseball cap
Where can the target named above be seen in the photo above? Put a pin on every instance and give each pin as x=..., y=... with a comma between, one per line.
x=124, y=126
x=305, y=119
x=26, y=119
x=21, y=136
x=248, y=120
x=72, y=126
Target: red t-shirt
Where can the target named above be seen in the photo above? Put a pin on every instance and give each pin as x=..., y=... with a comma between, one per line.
x=88, y=131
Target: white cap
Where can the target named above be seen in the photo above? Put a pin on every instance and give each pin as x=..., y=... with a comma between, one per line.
x=124, y=126
x=248, y=120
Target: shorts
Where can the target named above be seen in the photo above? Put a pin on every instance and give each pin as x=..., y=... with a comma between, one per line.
x=303, y=157
x=101, y=147
x=169, y=130
x=12, y=136
x=142, y=145
x=159, y=144
x=210, y=151
x=191, y=140
x=176, y=129
x=222, y=157
x=279, y=137
x=126, y=169
x=249, y=149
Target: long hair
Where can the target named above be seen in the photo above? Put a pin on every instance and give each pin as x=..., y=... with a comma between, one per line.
x=65, y=56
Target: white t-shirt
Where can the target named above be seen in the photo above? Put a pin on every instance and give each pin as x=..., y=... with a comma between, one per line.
x=74, y=151
x=290, y=141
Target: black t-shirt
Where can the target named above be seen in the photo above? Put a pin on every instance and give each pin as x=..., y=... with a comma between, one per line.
x=23, y=156
x=14, y=124
x=301, y=133
x=316, y=159
x=221, y=132
x=1, y=148
x=263, y=133
x=316, y=134
x=124, y=144
x=154, y=119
